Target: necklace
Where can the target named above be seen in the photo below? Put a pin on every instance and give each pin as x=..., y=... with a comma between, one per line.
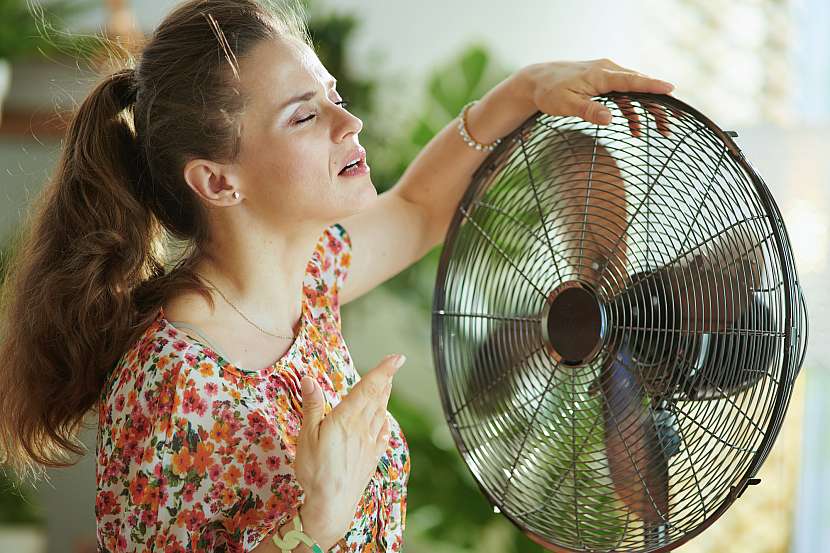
x=243, y=315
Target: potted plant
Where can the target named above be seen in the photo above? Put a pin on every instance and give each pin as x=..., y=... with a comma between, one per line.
x=27, y=28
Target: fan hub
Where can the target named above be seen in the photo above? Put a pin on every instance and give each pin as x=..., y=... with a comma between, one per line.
x=574, y=323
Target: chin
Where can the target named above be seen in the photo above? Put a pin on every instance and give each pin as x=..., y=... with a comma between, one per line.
x=365, y=194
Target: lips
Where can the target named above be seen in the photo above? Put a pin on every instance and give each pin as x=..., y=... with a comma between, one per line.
x=357, y=153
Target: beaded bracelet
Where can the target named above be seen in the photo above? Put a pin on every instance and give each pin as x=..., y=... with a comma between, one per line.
x=294, y=537
x=465, y=134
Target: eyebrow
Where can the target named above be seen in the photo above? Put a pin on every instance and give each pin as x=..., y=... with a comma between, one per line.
x=304, y=97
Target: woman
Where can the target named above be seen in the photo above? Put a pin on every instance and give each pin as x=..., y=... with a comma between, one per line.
x=229, y=137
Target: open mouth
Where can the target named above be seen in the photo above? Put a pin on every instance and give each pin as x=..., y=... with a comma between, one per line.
x=351, y=166
x=359, y=167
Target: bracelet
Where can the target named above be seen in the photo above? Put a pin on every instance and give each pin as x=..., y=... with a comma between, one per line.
x=294, y=537
x=465, y=134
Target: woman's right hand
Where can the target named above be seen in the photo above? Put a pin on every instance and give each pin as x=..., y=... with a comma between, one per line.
x=338, y=453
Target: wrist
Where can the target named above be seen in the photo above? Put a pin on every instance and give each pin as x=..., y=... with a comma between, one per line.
x=501, y=109
x=520, y=86
x=316, y=525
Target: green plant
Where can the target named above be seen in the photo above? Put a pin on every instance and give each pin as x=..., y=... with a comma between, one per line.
x=17, y=504
x=444, y=504
x=27, y=27
x=465, y=77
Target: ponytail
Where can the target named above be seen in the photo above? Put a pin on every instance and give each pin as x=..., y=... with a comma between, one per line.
x=66, y=312
x=90, y=267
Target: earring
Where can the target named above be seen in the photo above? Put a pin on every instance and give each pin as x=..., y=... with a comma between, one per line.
x=235, y=195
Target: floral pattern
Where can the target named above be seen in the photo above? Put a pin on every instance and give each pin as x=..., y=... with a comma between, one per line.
x=196, y=454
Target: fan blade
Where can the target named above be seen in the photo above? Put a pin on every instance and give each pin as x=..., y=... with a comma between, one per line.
x=591, y=214
x=499, y=363
x=738, y=359
x=712, y=290
x=636, y=461
x=591, y=189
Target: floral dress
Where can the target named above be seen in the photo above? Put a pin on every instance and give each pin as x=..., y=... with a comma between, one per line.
x=196, y=454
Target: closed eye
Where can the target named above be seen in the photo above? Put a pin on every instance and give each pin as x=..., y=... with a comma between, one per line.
x=341, y=103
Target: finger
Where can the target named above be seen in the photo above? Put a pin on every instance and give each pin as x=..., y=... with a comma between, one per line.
x=372, y=384
x=313, y=404
x=377, y=422
x=372, y=396
x=631, y=115
x=678, y=115
x=589, y=110
x=384, y=435
x=608, y=80
x=660, y=115
x=374, y=410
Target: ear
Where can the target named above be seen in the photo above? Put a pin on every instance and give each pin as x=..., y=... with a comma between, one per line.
x=213, y=182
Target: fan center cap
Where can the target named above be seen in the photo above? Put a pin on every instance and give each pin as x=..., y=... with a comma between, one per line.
x=574, y=323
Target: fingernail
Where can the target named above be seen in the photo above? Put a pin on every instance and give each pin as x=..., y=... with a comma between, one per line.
x=307, y=385
x=399, y=361
x=668, y=84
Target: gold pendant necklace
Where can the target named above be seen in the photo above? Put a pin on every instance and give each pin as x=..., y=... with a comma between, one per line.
x=243, y=315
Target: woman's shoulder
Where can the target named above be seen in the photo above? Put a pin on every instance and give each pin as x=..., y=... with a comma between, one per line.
x=158, y=363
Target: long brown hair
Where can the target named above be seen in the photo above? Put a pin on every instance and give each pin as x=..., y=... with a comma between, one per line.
x=117, y=230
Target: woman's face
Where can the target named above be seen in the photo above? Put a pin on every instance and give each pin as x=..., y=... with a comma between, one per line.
x=291, y=153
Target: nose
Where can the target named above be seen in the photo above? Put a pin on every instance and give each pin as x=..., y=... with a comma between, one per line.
x=347, y=123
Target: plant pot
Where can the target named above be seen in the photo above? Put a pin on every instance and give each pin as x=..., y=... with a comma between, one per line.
x=22, y=538
x=5, y=82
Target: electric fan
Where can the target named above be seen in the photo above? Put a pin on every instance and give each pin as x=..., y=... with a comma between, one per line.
x=617, y=326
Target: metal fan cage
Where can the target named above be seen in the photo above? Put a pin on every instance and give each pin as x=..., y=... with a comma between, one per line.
x=529, y=427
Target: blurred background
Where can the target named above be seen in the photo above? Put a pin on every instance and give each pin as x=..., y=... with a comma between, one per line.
x=760, y=68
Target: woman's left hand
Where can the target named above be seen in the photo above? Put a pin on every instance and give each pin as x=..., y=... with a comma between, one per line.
x=566, y=89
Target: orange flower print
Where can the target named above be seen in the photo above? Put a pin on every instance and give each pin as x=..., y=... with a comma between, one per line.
x=338, y=381
x=228, y=497
x=221, y=432
x=202, y=460
x=232, y=475
x=182, y=461
x=138, y=488
x=266, y=443
x=240, y=455
x=333, y=340
x=197, y=455
x=206, y=369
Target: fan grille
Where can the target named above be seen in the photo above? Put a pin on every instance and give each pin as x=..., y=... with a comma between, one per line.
x=540, y=282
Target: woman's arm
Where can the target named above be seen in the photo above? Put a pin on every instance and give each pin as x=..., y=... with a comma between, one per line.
x=441, y=172
x=438, y=177
x=407, y=221
x=411, y=218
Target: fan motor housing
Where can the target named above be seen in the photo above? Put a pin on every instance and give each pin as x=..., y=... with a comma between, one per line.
x=574, y=323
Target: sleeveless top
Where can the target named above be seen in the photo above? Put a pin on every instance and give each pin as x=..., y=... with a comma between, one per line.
x=196, y=454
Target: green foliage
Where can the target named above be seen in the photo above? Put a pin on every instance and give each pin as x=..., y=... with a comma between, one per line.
x=463, y=78
x=16, y=502
x=27, y=27
x=444, y=504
